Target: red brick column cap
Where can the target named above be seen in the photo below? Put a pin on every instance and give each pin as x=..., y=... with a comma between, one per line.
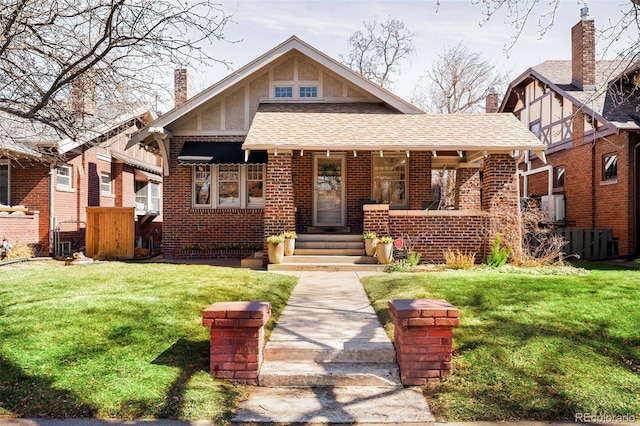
x=422, y=308
x=237, y=314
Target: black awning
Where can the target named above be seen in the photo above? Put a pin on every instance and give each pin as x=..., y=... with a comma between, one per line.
x=199, y=153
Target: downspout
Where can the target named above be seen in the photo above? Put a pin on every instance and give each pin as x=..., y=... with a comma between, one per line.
x=52, y=219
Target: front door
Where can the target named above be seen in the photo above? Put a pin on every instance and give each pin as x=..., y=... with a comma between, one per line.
x=329, y=206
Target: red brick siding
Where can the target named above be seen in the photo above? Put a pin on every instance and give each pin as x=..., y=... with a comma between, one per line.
x=583, y=52
x=302, y=169
x=279, y=208
x=23, y=230
x=468, y=189
x=419, y=179
x=359, y=182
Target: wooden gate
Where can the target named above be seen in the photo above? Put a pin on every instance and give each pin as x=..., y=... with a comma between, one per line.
x=589, y=244
x=110, y=232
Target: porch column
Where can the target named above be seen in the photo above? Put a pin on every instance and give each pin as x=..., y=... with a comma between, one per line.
x=279, y=206
x=500, y=197
x=419, y=179
x=468, y=189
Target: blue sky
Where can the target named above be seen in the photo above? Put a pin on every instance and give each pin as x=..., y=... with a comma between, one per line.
x=262, y=24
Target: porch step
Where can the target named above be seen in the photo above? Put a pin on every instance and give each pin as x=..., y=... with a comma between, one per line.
x=307, y=259
x=351, y=238
x=312, y=374
x=364, y=352
x=329, y=251
x=329, y=229
x=328, y=264
x=330, y=244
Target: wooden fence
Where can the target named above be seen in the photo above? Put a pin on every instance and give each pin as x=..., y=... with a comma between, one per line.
x=589, y=243
x=110, y=232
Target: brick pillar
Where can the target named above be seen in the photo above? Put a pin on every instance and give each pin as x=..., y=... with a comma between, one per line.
x=279, y=206
x=376, y=219
x=419, y=178
x=468, y=189
x=237, y=339
x=423, y=338
x=500, y=197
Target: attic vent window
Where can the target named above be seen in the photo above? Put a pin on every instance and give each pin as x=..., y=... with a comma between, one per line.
x=308, y=91
x=284, y=92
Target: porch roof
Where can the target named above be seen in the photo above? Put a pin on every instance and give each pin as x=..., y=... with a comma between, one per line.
x=372, y=132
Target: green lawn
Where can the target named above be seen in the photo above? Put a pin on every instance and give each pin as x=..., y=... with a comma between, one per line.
x=118, y=339
x=532, y=346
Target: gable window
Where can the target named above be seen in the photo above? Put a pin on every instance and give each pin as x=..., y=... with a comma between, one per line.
x=535, y=128
x=63, y=176
x=147, y=197
x=229, y=186
x=610, y=166
x=105, y=183
x=558, y=177
x=284, y=92
x=390, y=179
x=308, y=91
x=4, y=184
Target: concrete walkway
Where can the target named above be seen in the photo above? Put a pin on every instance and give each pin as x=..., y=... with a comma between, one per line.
x=329, y=360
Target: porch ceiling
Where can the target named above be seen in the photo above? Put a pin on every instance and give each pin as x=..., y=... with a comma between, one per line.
x=472, y=134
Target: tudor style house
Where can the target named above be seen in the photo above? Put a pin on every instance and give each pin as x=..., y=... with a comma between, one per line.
x=46, y=182
x=296, y=141
x=587, y=113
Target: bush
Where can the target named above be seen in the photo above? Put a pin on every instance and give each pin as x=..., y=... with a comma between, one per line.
x=459, y=260
x=275, y=239
x=499, y=255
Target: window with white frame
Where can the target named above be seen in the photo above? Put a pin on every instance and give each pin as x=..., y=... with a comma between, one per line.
x=4, y=184
x=390, y=179
x=610, y=166
x=105, y=183
x=308, y=91
x=63, y=176
x=147, y=197
x=229, y=186
x=283, y=92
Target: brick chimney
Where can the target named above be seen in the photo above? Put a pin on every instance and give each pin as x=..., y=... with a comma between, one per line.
x=583, y=53
x=182, y=86
x=83, y=96
x=491, y=104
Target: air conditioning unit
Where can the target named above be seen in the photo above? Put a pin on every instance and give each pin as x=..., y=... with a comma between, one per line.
x=554, y=205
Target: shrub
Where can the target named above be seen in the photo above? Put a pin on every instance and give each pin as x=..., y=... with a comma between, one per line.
x=275, y=239
x=385, y=240
x=459, y=260
x=369, y=236
x=499, y=254
x=289, y=235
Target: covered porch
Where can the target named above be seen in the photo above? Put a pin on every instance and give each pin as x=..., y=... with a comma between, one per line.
x=373, y=172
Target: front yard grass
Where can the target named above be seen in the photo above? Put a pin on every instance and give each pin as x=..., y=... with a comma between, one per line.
x=119, y=340
x=531, y=347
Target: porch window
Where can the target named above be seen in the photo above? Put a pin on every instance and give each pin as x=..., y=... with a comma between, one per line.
x=610, y=166
x=4, y=184
x=105, y=183
x=229, y=186
x=390, y=179
x=63, y=176
x=147, y=197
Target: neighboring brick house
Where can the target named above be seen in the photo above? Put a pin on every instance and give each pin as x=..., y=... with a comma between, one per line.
x=297, y=141
x=587, y=114
x=47, y=183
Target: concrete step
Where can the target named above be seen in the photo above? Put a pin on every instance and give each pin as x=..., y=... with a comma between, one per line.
x=358, y=259
x=365, y=352
x=358, y=245
x=329, y=229
x=323, y=406
x=311, y=374
x=330, y=237
x=327, y=267
x=330, y=251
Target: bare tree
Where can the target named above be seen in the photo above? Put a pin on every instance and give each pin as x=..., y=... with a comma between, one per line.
x=458, y=82
x=107, y=50
x=377, y=51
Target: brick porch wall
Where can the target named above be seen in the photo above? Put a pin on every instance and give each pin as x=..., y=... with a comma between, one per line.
x=279, y=208
x=468, y=189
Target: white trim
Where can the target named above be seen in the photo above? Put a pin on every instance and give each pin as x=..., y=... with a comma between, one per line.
x=102, y=191
x=62, y=185
x=104, y=157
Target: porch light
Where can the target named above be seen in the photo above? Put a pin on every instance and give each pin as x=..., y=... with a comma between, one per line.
x=355, y=154
x=327, y=153
x=381, y=153
x=301, y=152
x=408, y=154
x=246, y=155
x=486, y=154
x=435, y=153
x=275, y=152
x=460, y=154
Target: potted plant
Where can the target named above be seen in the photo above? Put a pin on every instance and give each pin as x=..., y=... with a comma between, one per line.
x=370, y=241
x=276, y=248
x=384, y=250
x=289, y=242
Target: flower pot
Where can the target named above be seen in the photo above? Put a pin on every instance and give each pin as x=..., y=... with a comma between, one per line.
x=385, y=253
x=370, y=246
x=289, y=246
x=276, y=253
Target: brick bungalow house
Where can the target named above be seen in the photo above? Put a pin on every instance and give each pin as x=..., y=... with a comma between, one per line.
x=587, y=114
x=296, y=141
x=46, y=183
